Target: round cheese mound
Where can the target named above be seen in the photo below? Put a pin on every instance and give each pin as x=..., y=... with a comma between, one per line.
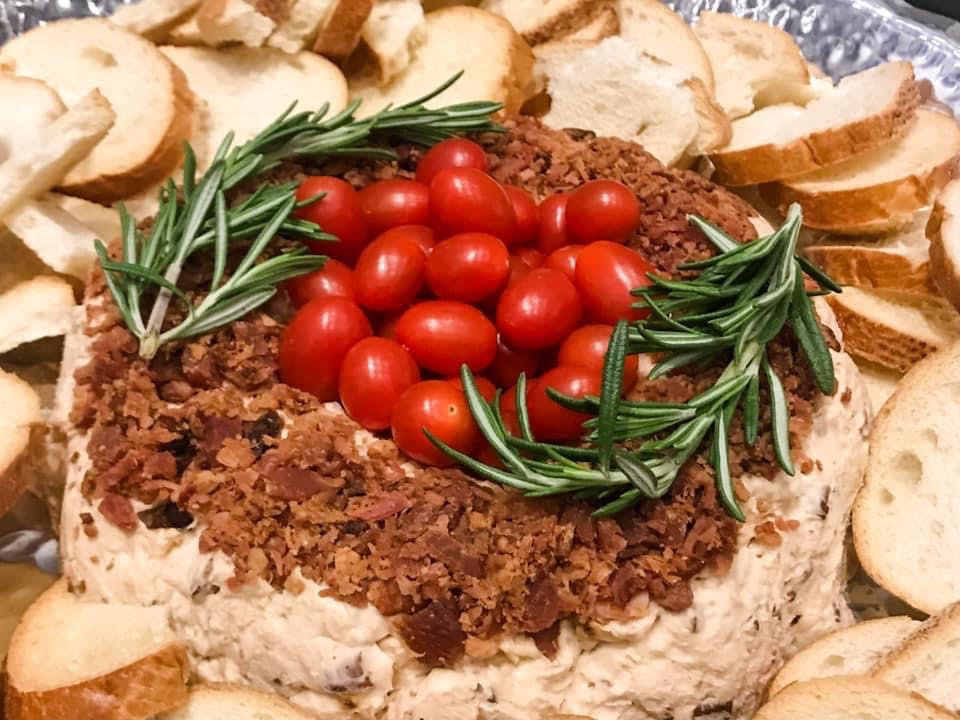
x=712, y=660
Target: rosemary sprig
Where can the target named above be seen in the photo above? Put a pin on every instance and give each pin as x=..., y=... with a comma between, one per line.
x=741, y=300
x=198, y=216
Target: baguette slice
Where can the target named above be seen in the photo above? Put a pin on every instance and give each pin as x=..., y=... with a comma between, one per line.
x=342, y=29
x=186, y=33
x=851, y=651
x=150, y=98
x=754, y=63
x=59, y=239
x=104, y=221
x=864, y=111
x=943, y=230
x=21, y=412
x=299, y=29
x=669, y=111
x=73, y=659
x=222, y=22
x=881, y=383
x=606, y=23
x=497, y=64
x=393, y=31
x=660, y=32
x=153, y=18
x=927, y=662
x=885, y=185
x=232, y=702
x=849, y=698
x=29, y=105
x=36, y=166
x=894, y=330
x=540, y=21
x=37, y=308
x=904, y=518
x=265, y=81
x=897, y=261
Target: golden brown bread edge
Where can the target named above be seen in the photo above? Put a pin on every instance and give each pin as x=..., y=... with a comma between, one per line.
x=943, y=268
x=864, y=266
x=340, y=33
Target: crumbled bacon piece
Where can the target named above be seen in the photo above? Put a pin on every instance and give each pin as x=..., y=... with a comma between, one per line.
x=434, y=632
x=118, y=511
x=296, y=484
x=379, y=508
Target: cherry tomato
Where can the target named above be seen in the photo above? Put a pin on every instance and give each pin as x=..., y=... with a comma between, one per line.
x=337, y=213
x=586, y=347
x=531, y=257
x=423, y=235
x=441, y=408
x=508, y=407
x=374, y=374
x=442, y=335
x=316, y=341
x=565, y=260
x=518, y=269
x=391, y=203
x=538, y=310
x=390, y=272
x=452, y=153
x=468, y=200
x=487, y=389
x=333, y=279
x=525, y=212
x=602, y=210
x=552, y=216
x=509, y=363
x=606, y=273
x=550, y=420
x=468, y=267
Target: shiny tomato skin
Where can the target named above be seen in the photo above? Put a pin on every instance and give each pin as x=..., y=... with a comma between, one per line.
x=606, y=273
x=391, y=203
x=468, y=267
x=602, y=210
x=389, y=273
x=525, y=213
x=565, y=260
x=452, y=153
x=337, y=213
x=539, y=310
x=442, y=335
x=552, y=225
x=374, y=374
x=531, y=257
x=509, y=363
x=487, y=389
x=440, y=407
x=551, y=421
x=464, y=199
x=586, y=347
x=508, y=407
x=315, y=342
x=423, y=235
x=333, y=279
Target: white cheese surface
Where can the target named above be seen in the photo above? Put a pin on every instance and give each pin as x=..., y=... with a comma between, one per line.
x=333, y=658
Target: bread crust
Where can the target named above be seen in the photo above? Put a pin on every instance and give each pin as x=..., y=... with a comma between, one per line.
x=567, y=22
x=138, y=691
x=769, y=162
x=943, y=225
x=340, y=33
x=869, y=267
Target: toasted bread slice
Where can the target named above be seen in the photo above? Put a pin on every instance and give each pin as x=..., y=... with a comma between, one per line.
x=232, y=702
x=59, y=664
x=299, y=29
x=927, y=661
x=270, y=80
x=881, y=382
x=943, y=231
x=669, y=113
x=223, y=22
x=153, y=18
x=20, y=585
x=888, y=184
x=149, y=96
x=846, y=698
x=104, y=221
x=851, y=651
x=342, y=29
x=755, y=64
x=605, y=23
x=540, y=21
x=895, y=330
x=660, y=32
x=904, y=518
x=29, y=105
x=393, y=31
x=864, y=111
x=21, y=412
x=60, y=240
x=36, y=166
x=186, y=33
x=897, y=261
x=36, y=308
x=497, y=64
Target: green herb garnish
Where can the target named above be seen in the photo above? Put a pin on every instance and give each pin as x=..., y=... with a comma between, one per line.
x=740, y=301
x=198, y=216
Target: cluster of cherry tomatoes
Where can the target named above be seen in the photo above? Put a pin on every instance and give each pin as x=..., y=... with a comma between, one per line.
x=454, y=268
